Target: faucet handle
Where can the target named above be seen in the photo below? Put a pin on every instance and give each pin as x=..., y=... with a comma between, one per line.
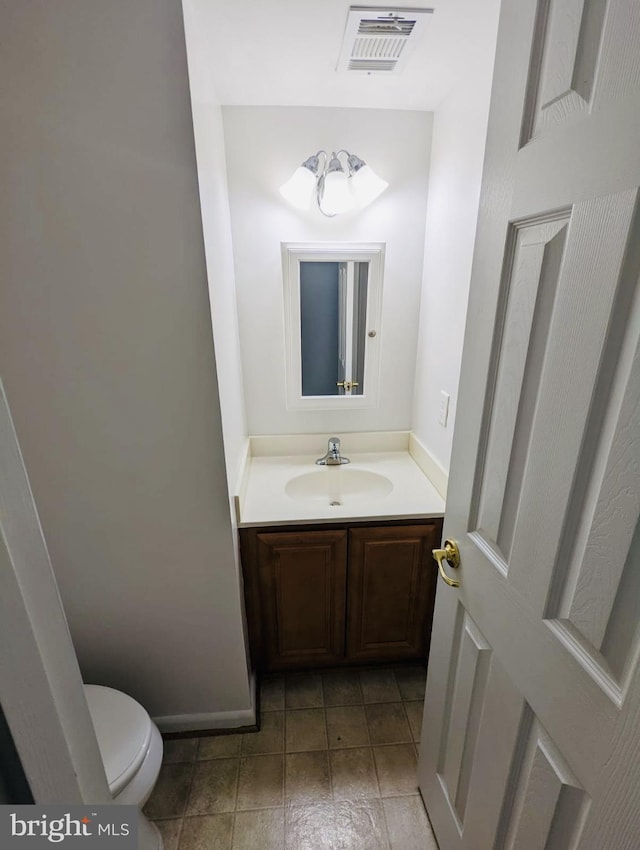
x=332, y=457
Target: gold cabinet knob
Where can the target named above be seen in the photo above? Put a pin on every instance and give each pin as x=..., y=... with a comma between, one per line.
x=450, y=554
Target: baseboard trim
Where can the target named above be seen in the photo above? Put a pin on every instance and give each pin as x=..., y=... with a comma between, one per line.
x=429, y=465
x=217, y=720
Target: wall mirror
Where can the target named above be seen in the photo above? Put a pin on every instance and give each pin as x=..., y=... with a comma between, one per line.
x=333, y=296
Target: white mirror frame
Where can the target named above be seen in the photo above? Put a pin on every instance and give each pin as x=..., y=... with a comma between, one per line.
x=293, y=253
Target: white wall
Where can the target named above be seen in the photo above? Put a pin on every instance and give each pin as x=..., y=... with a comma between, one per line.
x=216, y=226
x=264, y=145
x=459, y=134
x=106, y=348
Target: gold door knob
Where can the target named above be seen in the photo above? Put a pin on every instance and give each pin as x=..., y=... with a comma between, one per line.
x=451, y=554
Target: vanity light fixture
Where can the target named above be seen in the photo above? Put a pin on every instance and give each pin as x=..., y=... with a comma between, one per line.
x=340, y=183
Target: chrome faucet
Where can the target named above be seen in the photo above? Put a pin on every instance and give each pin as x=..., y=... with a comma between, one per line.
x=333, y=456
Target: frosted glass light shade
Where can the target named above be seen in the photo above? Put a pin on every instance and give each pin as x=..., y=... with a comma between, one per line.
x=337, y=185
x=336, y=197
x=299, y=188
x=366, y=185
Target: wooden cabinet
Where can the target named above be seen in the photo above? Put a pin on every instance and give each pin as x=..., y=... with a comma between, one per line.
x=302, y=581
x=340, y=594
x=392, y=579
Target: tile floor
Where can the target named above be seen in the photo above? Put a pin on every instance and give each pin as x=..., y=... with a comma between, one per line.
x=333, y=767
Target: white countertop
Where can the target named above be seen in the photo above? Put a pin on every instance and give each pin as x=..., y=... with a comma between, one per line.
x=265, y=501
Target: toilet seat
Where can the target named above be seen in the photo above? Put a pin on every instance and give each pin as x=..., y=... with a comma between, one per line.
x=124, y=732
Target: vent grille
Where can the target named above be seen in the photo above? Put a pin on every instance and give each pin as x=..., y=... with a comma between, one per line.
x=372, y=64
x=377, y=48
x=379, y=40
x=394, y=27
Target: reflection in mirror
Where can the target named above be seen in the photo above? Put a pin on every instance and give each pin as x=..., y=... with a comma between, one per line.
x=333, y=310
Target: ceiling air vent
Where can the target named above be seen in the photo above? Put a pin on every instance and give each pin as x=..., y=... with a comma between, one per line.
x=379, y=40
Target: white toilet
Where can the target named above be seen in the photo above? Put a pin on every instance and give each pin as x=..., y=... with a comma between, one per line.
x=130, y=744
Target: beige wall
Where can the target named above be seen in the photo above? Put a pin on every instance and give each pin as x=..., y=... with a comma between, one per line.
x=106, y=348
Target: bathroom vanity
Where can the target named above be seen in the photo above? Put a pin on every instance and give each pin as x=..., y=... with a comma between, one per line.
x=337, y=561
x=347, y=593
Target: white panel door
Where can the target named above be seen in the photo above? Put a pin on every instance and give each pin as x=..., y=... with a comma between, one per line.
x=531, y=733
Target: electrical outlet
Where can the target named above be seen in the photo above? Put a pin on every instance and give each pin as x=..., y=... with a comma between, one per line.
x=443, y=412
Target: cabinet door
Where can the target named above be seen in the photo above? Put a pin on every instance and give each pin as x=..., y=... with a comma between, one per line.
x=391, y=592
x=303, y=585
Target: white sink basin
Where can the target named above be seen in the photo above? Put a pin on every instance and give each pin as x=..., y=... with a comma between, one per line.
x=338, y=485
